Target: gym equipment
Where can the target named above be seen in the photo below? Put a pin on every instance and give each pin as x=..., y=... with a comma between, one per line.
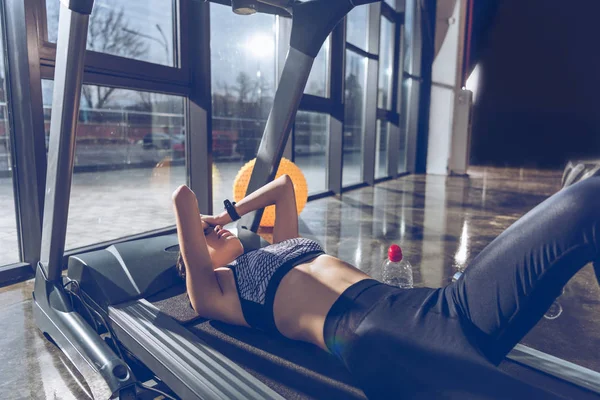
x=130, y=304
x=240, y=186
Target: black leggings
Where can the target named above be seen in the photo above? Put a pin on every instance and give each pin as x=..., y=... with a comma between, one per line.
x=410, y=341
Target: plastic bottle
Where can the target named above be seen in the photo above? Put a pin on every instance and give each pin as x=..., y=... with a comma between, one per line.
x=396, y=270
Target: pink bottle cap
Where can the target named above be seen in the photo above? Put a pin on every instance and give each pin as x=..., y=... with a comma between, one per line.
x=395, y=253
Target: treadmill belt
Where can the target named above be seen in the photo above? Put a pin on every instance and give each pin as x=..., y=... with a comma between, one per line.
x=294, y=369
x=174, y=302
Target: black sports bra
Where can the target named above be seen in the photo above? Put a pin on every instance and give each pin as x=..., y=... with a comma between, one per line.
x=258, y=274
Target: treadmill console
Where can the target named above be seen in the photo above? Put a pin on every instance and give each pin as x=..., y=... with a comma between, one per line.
x=128, y=270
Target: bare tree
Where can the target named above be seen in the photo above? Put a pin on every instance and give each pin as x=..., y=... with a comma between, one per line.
x=109, y=32
x=244, y=87
x=146, y=101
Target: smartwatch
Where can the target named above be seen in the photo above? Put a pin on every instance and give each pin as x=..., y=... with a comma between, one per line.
x=229, y=207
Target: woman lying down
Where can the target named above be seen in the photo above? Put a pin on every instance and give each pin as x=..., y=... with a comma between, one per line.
x=395, y=342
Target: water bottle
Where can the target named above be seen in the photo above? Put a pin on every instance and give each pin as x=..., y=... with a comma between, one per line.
x=396, y=270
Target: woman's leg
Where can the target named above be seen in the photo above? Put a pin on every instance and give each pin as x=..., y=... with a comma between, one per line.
x=511, y=284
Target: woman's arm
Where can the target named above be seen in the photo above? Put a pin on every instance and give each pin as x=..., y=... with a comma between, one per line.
x=280, y=193
x=202, y=285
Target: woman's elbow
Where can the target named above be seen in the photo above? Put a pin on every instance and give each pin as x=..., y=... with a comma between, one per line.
x=286, y=181
x=183, y=194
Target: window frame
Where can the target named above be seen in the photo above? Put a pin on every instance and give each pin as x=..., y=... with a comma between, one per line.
x=25, y=117
x=393, y=116
x=107, y=69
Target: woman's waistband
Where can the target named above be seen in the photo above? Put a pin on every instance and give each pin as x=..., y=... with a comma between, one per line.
x=349, y=310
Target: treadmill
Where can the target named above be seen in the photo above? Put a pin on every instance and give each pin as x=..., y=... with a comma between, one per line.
x=131, y=290
x=131, y=307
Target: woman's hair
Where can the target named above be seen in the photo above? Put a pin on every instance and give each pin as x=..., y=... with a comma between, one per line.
x=180, y=266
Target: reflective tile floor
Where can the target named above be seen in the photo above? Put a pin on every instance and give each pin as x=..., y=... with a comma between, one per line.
x=441, y=223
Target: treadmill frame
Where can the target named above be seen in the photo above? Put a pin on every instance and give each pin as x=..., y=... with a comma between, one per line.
x=106, y=374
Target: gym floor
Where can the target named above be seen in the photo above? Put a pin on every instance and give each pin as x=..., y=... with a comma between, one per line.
x=441, y=224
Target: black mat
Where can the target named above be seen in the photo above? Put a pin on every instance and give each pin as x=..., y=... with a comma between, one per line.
x=294, y=369
x=174, y=302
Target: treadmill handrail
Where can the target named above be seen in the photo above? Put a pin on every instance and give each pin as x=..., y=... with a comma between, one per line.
x=68, y=77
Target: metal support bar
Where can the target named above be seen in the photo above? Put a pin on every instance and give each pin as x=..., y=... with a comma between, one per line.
x=285, y=104
x=397, y=63
x=336, y=122
x=68, y=74
x=199, y=108
x=282, y=36
x=397, y=131
x=370, y=123
x=25, y=118
x=371, y=88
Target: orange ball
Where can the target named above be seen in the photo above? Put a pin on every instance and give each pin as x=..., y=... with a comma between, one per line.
x=240, y=185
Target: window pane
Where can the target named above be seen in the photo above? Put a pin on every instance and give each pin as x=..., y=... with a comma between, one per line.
x=402, y=152
x=243, y=86
x=406, y=89
x=139, y=29
x=356, y=75
x=386, y=64
x=381, y=153
x=311, y=143
x=318, y=82
x=8, y=223
x=129, y=158
x=356, y=26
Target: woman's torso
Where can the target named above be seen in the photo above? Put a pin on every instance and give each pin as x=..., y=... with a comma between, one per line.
x=302, y=299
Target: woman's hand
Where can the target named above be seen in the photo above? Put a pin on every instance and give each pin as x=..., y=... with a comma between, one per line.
x=214, y=220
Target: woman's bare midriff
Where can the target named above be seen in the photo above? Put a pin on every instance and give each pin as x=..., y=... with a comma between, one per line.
x=306, y=294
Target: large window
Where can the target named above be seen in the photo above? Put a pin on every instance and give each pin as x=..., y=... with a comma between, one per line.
x=129, y=158
x=384, y=95
x=310, y=148
x=386, y=64
x=139, y=29
x=357, y=22
x=356, y=76
x=381, y=153
x=243, y=85
x=8, y=224
x=318, y=80
x=403, y=149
